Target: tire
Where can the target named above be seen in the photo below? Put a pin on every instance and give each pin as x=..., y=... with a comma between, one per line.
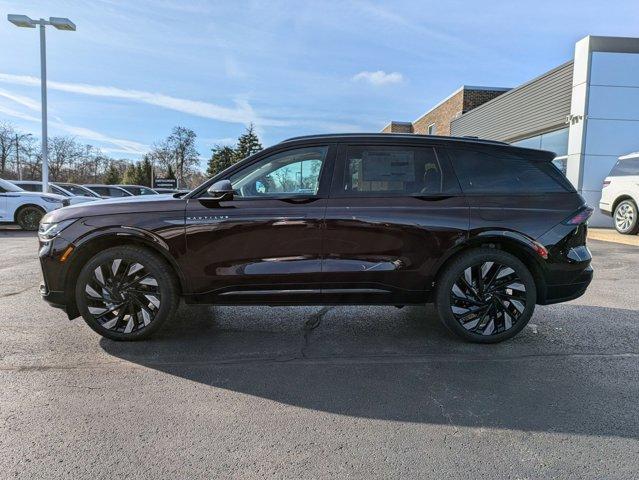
x=489, y=310
x=126, y=293
x=29, y=216
x=626, y=217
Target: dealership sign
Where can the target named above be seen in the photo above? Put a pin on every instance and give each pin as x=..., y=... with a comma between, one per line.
x=165, y=183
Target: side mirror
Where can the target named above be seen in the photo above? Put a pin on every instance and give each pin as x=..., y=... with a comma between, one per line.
x=221, y=190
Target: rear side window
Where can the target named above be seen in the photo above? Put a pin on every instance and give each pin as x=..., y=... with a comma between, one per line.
x=625, y=168
x=389, y=171
x=101, y=191
x=493, y=172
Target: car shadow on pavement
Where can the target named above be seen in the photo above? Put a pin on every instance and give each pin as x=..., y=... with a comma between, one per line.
x=402, y=365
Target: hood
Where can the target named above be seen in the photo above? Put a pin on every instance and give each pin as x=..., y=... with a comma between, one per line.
x=114, y=206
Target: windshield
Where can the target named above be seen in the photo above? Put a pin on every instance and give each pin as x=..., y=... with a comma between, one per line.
x=9, y=187
x=78, y=190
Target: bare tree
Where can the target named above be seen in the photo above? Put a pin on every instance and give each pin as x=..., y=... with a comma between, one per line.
x=7, y=144
x=181, y=143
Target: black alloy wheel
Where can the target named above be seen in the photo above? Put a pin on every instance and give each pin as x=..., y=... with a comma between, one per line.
x=486, y=296
x=126, y=293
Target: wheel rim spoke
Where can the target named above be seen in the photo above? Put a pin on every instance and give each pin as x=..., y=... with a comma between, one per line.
x=122, y=296
x=488, y=298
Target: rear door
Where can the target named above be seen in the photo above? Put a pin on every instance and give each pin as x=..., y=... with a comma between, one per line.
x=393, y=211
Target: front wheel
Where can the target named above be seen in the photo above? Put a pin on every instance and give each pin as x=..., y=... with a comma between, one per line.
x=29, y=217
x=486, y=296
x=626, y=219
x=126, y=293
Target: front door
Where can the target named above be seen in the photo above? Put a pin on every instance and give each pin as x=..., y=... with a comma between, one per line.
x=265, y=243
x=392, y=213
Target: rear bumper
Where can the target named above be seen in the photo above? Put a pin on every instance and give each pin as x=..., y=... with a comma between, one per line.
x=567, y=291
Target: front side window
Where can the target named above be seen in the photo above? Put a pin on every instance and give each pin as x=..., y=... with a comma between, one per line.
x=293, y=172
x=146, y=191
x=390, y=171
x=499, y=172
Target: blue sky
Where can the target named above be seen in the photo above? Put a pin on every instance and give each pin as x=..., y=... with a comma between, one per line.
x=134, y=69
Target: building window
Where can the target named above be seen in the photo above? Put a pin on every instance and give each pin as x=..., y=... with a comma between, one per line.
x=431, y=129
x=556, y=141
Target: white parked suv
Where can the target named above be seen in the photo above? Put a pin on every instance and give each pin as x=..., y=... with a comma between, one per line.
x=620, y=194
x=26, y=208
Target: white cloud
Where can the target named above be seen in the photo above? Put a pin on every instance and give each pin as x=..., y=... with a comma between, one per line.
x=123, y=146
x=379, y=77
x=242, y=113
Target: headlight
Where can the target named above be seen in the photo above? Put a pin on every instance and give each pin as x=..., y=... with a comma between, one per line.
x=48, y=231
x=51, y=200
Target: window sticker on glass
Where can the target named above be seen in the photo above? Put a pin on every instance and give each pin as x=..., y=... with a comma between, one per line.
x=379, y=166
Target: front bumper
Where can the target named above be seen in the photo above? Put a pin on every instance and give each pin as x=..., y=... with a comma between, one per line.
x=54, y=298
x=605, y=208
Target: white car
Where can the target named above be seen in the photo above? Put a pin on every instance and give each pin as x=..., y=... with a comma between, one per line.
x=620, y=194
x=26, y=208
x=33, y=186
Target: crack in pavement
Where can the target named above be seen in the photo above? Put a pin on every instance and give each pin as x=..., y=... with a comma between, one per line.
x=310, y=325
x=11, y=294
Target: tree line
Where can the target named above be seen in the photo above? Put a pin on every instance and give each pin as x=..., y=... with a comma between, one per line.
x=72, y=161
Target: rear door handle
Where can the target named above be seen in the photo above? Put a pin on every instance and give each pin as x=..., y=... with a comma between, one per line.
x=299, y=200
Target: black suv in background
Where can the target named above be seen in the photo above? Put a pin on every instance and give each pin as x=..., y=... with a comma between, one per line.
x=483, y=229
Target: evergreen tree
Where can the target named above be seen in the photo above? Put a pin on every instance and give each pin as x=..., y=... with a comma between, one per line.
x=222, y=158
x=145, y=171
x=170, y=173
x=130, y=175
x=112, y=175
x=247, y=144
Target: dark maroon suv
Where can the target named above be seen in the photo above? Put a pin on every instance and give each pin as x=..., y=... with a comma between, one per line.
x=483, y=229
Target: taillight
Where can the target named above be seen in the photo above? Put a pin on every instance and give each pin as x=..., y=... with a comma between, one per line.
x=605, y=183
x=580, y=216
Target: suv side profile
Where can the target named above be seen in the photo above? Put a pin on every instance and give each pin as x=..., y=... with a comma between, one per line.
x=483, y=229
x=620, y=194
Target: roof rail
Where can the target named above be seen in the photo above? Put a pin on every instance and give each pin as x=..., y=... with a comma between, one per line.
x=394, y=135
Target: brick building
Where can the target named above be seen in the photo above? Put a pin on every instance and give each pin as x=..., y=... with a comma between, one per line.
x=438, y=119
x=586, y=111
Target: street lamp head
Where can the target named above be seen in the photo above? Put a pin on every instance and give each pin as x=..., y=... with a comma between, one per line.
x=21, y=21
x=62, y=23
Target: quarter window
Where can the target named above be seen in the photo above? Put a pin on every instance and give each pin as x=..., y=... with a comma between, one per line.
x=294, y=172
x=486, y=172
x=625, y=168
x=390, y=171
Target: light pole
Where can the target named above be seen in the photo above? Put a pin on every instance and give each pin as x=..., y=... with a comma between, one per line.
x=60, y=24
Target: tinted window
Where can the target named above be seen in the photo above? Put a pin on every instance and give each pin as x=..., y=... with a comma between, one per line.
x=59, y=191
x=146, y=191
x=116, y=192
x=294, y=172
x=100, y=191
x=485, y=171
x=625, y=168
x=30, y=187
x=381, y=171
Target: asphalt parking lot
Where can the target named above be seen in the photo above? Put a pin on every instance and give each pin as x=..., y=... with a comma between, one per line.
x=370, y=392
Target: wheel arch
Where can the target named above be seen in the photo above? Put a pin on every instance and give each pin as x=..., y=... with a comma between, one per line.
x=90, y=246
x=621, y=198
x=26, y=205
x=516, y=244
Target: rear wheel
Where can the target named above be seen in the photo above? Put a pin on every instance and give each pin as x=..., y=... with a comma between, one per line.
x=486, y=296
x=126, y=293
x=626, y=219
x=29, y=217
